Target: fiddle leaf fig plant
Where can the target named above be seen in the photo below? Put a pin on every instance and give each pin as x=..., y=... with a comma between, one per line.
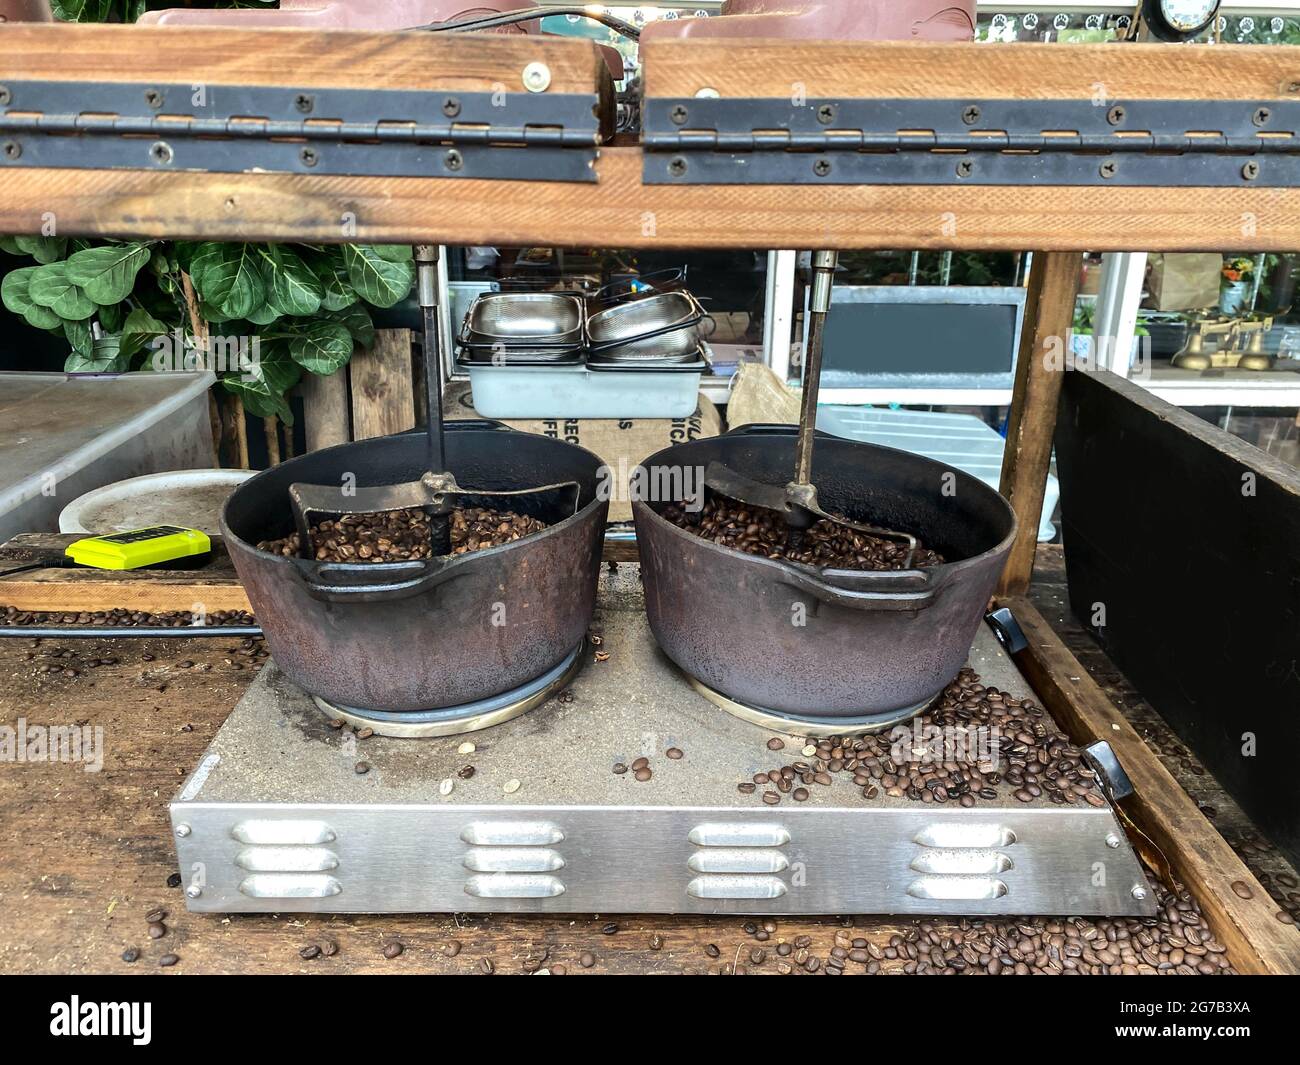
x=119, y=303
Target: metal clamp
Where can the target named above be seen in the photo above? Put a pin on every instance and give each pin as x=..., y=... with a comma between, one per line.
x=1100, y=758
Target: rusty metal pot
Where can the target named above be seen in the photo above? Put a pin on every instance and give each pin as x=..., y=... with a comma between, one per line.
x=436, y=632
x=866, y=647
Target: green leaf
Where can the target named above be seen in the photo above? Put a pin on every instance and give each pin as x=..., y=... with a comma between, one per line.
x=10, y=244
x=393, y=253
x=52, y=287
x=328, y=267
x=356, y=319
x=377, y=280
x=140, y=328
x=15, y=294
x=227, y=277
x=322, y=347
x=105, y=358
x=263, y=386
x=264, y=315
x=111, y=317
x=79, y=336
x=292, y=288
x=42, y=249
x=107, y=274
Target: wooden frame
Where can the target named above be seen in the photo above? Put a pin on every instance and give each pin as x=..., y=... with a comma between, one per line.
x=620, y=211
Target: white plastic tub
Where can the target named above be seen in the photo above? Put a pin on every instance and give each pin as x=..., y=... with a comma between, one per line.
x=192, y=498
x=579, y=391
x=63, y=435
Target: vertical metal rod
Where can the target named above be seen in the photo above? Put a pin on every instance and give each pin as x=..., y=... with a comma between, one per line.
x=823, y=264
x=426, y=258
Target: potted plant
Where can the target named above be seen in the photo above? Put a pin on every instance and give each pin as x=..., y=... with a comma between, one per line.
x=1234, y=289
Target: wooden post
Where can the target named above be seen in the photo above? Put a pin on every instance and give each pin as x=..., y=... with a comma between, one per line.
x=325, y=410
x=1044, y=343
x=383, y=392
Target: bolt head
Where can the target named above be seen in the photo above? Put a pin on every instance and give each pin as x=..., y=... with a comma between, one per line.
x=708, y=94
x=309, y=157
x=537, y=77
x=1250, y=171
x=822, y=167
x=678, y=114
x=193, y=891
x=304, y=103
x=965, y=168
x=1116, y=115
x=161, y=152
x=182, y=830
x=1108, y=169
x=971, y=115
x=826, y=114
x=677, y=166
x=1139, y=892
x=1261, y=116
x=453, y=160
x=1112, y=841
x=12, y=150
x=153, y=98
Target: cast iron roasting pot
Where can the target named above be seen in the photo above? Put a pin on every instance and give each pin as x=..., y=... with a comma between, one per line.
x=428, y=633
x=873, y=645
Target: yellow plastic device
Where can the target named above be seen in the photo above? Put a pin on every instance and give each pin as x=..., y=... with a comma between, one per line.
x=153, y=546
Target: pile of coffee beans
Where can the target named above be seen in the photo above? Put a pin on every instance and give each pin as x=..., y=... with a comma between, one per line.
x=975, y=744
x=1176, y=941
x=759, y=531
x=398, y=535
x=122, y=618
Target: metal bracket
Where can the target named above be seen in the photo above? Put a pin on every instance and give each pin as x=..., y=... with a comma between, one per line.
x=354, y=132
x=895, y=141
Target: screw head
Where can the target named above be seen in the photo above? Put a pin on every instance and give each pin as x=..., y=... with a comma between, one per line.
x=12, y=149
x=453, y=160
x=309, y=156
x=971, y=114
x=1139, y=892
x=826, y=114
x=1116, y=115
x=708, y=93
x=1261, y=116
x=677, y=166
x=451, y=107
x=304, y=103
x=1112, y=841
x=1250, y=171
x=182, y=830
x=537, y=77
x=154, y=98
x=161, y=152
x=5, y=96
x=678, y=114
x=822, y=167
x=193, y=891
x=965, y=168
x=1108, y=169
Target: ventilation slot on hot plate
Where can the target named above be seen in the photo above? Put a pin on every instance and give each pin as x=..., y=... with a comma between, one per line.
x=286, y=859
x=737, y=860
x=513, y=860
x=961, y=862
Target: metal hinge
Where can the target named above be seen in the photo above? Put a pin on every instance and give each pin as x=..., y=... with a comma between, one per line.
x=894, y=141
x=354, y=132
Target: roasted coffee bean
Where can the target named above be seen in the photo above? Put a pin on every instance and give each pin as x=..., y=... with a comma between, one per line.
x=157, y=930
x=451, y=948
x=775, y=744
x=619, y=769
x=675, y=753
x=401, y=535
x=747, y=788
x=640, y=763
x=771, y=798
x=711, y=949
x=156, y=915
x=800, y=794
x=168, y=960
x=329, y=948
x=587, y=960
x=643, y=774
x=784, y=949
x=130, y=954
x=487, y=967
x=758, y=955
x=173, y=880
x=759, y=531
x=309, y=952
x=392, y=950
x=656, y=941
x=362, y=768
x=609, y=929
x=465, y=772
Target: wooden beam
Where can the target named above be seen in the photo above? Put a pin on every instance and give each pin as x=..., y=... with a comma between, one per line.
x=964, y=71
x=1040, y=366
x=1257, y=942
x=625, y=213
x=325, y=410
x=212, y=56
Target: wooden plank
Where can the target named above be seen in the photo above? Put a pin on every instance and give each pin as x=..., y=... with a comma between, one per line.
x=1049, y=312
x=215, y=584
x=383, y=394
x=325, y=410
x=1257, y=942
x=961, y=71
x=292, y=207
x=296, y=58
